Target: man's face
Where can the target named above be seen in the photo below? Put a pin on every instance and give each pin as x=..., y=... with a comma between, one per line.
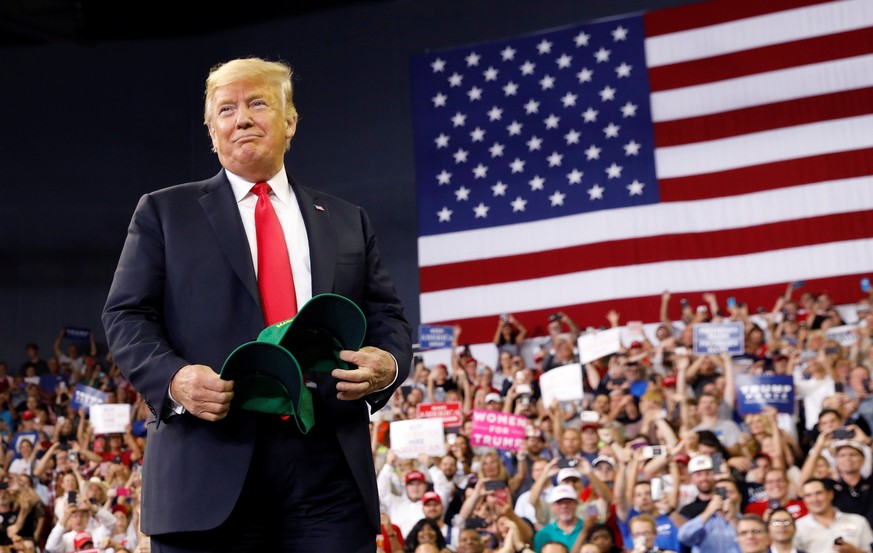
x=249, y=129
x=775, y=484
x=642, y=529
x=564, y=509
x=415, y=489
x=707, y=406
x=534, y=444
x=643, y=498
x=704, y=480
x=449, y=466
x=590, y=437
x=849, y=460
x=816, y=497
x=782, y=527
x=469, y=541
x=570, y=442
x=432, y=509
x=828, y=422
x=602, y=539
x=752, y=536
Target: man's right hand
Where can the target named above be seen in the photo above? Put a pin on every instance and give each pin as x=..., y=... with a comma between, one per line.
x=202, y=392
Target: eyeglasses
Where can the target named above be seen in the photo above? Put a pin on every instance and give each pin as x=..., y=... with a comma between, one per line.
x=779, y=523
x=750, y=532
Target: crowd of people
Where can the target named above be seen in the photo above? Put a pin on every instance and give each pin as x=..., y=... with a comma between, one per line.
x=63, y=486
x=656, y=455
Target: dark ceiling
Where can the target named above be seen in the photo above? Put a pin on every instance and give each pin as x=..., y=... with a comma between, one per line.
x=35, y=22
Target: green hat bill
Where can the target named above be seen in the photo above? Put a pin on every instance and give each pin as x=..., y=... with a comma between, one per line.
x=266, y=378
x=268, y=372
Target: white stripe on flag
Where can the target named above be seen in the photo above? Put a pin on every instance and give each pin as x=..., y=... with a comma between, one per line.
x=838, y=135
x=807, y=262
x=764, y=88
x=759, y=31
x=798, y=202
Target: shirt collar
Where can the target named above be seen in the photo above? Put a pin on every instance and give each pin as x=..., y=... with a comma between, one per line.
x=243, y=188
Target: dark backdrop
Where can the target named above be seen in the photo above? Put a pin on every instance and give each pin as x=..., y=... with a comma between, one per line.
x=91, y=125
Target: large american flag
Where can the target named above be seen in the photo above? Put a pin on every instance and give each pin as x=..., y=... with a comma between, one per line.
x=722, y=147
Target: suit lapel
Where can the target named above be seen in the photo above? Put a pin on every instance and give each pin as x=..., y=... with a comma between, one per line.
x=220, y=206
x=321, y=236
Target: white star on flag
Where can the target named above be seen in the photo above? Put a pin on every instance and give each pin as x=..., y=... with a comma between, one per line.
x=595, y=192
x=499, y=189
x=481, y=210
x=557, y=198
x=635, y=188
x=445, y=214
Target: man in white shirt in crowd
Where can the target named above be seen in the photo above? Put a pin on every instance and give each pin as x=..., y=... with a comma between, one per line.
x=827, y=529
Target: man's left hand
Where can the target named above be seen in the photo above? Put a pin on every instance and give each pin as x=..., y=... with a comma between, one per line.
x=376, y=371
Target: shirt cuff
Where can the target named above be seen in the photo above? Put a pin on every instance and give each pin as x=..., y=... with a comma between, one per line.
x=172, y=405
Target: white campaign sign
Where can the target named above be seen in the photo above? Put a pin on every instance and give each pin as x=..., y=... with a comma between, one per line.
x=562, y=383
x=110, y=418
x=599, y=344
x=410, y=438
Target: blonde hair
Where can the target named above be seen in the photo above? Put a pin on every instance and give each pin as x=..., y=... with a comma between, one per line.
x=275, y=73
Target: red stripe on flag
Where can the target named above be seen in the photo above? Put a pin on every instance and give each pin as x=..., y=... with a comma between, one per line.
x=683, y=18
x=768, y=176
x=760, y=60
x=653, y=249
x=842, y=289
x=763, y=118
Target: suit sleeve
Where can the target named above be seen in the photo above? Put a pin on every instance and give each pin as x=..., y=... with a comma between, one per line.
x=387, y=327
x=132, y=316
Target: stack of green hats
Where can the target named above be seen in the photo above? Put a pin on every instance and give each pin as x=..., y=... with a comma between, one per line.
x=268, y=372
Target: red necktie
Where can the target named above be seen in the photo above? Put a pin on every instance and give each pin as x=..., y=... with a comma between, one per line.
x=275, y=281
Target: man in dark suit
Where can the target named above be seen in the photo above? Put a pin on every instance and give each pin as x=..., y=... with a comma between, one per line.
x=186, y=293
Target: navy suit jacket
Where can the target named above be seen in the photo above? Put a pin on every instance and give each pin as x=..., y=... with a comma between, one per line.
x=185, y=292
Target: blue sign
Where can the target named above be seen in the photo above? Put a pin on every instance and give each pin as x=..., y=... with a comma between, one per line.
x=757, y=391
x=86, y=396
x=718, y=338
x=74, y=333
x=435, y=336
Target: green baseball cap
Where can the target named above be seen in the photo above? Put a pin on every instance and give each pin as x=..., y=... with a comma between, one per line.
x=268, y=372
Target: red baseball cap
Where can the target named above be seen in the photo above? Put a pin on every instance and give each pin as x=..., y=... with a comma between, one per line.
x=414, y=475
x=431, y=496
x=81, y=539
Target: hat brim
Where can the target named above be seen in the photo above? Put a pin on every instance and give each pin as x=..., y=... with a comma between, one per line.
x=325, y=325
x=266, y=378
